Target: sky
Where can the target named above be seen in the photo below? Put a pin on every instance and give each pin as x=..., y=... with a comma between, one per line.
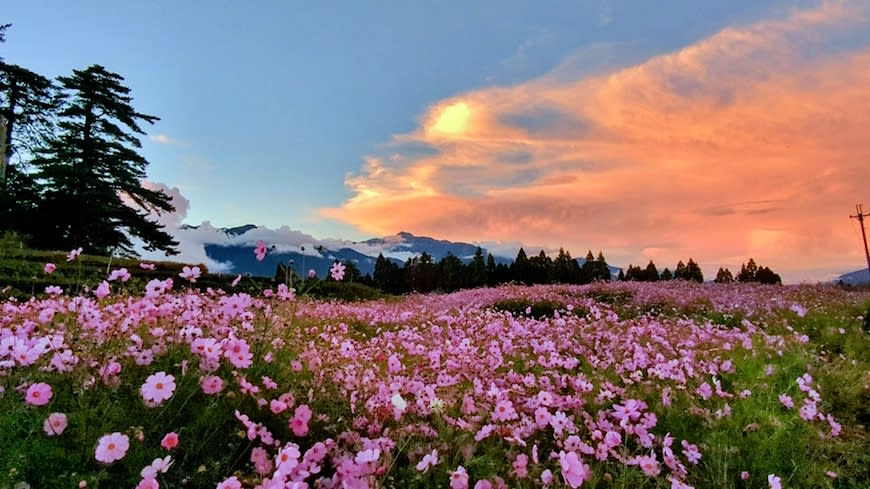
x=717, y=130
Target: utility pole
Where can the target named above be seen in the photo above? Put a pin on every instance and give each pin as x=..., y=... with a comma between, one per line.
x=860, y=216
x=3, y=161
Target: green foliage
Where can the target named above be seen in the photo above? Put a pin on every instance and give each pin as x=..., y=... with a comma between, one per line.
x=345, y=291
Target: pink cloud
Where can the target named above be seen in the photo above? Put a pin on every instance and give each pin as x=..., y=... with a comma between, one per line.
x=752, y=142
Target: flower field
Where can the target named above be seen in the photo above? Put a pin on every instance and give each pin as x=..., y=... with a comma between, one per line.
x=623, y=385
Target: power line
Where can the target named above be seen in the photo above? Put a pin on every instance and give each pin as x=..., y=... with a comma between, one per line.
x=860, y=216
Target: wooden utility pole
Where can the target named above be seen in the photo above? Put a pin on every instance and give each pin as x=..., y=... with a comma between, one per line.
x=860, y=216
x=2, y=152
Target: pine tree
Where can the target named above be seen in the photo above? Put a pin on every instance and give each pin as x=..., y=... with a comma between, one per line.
x=680, y=271
x=478, y=269
x=693, y=272
x=723, y=276
x=621, y=276
x=91, y=164
x=747, y=272
x=28, y=107
x=651, y=274
x=491, y=279
x=520, y=269
x=602, y=270
x=666, y=274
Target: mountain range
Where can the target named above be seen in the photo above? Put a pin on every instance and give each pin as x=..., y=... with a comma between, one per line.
x=231, y=250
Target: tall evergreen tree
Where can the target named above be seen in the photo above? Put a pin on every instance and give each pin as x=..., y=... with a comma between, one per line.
x=521, y=268
x=666, y=274
x=490, y=270
x=621, y=276
x=92, y=166
x=680, y=271
x=478, y=269
x=651, y=273
x=723, y=276
x=693, y=272
x=602, y=270
x=28, y=106
x=767, y=276
x=747, y=272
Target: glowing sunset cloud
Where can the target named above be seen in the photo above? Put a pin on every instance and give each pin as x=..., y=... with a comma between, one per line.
x=453, y=119
x=751, y=142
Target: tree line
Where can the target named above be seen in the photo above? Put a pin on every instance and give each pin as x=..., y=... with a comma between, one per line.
x=72, y=174
x=749, y=272
x=423, y=273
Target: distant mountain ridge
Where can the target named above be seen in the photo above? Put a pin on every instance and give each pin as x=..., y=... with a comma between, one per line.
x=233, y=249
x=858, y=277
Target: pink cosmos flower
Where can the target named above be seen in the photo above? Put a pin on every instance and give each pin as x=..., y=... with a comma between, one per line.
x=103, y=290
x=49, y=268
x=786, y=401
x=169, y=441
x=574, y=471
x=38, y=394
x=73, y=254
x=119, y=274
x=147, y=266
x=236, y=281
x=212, y=385
x=312, y=273
x=158, y=388
x=504, y=411
x=547, y=477
x=260, y=250
x=612, y=439
x=429, y=460
x=53, y=290
x=148, y=483
x=54, y=424
x=774, y=481
x=299, y=427
x=231, y=483
x=367, y=456
x=337, y=271
x=744, y=475
x=648, y=464
x=112, y=447
x=459, y=478
x=190, y=273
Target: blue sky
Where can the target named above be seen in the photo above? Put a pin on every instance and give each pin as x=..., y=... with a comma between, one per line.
x=271, y=103
x=273, y=112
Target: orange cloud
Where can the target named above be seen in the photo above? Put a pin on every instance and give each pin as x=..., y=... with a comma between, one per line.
x=752, y=142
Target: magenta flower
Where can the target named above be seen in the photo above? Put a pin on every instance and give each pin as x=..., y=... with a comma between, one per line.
x=157, y=388
x=169, y=441
x=190, y=273
x=231, y=483
x=574, y=471
x=212, y=385
x=260, y=250
x=38, y=394
x=337, y=271
x=54, y=424
x=429, y=460
x=73, y=254
x=774, y=481
x=112, y=447
x=312, y=273
x=148, y=483
x=459, y=478
x=49, y=268
x=786, y=401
